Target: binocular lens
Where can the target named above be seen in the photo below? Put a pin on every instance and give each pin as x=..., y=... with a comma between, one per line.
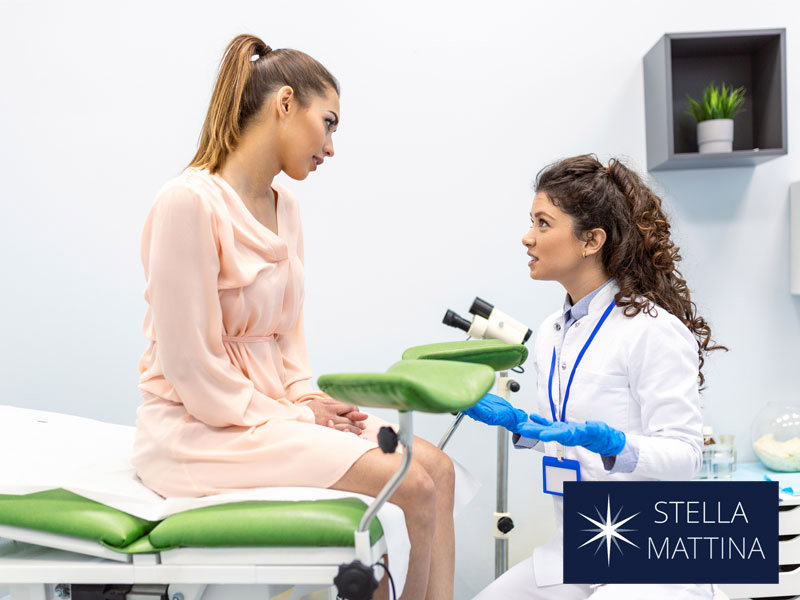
x=454, y=320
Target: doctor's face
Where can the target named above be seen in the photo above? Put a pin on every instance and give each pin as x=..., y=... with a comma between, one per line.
x=555, y=252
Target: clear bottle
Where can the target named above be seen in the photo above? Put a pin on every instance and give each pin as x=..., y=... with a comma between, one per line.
x=727, y=439
x=709, y=445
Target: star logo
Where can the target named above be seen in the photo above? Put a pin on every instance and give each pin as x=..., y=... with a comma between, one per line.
x=608, y=530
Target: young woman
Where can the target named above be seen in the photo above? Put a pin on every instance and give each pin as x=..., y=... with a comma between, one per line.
x=225, y=379
x=624, y=403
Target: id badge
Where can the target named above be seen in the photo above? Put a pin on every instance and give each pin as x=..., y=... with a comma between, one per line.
x=555, y=472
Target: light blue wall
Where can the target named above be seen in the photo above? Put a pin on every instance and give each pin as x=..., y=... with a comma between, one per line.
x=448, y=112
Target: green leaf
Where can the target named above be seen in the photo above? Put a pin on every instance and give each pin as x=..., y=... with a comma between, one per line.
x=694, y=108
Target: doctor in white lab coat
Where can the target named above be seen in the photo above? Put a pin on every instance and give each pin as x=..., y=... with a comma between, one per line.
x=602, y=234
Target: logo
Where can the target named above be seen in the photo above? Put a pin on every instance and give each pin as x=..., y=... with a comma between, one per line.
x=670, y=532
x=609, y=530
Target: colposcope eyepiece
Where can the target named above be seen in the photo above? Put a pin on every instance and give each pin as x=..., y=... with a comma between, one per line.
x=481, y=308
x=454, y=320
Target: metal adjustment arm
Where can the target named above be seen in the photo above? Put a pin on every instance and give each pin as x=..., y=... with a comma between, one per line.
x=449, y=433
x=356, y=580
x=501, y=537
x=406, y=437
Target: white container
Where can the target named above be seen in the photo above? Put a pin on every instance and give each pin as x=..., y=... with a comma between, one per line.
x=715, y=135
x=775, y=434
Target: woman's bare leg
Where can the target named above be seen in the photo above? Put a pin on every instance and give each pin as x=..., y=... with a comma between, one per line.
x=416, y=496
x=440, y=468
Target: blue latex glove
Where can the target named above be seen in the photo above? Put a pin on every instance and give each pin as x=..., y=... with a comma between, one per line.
x=535, y=426
x=494, y=410
x=595, y=436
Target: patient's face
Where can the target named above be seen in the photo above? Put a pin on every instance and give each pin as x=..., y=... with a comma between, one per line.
x=307, y=136
x=554, y=250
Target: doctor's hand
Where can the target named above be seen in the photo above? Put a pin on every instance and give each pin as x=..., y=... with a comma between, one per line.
x=534, y=426
x=595, y=436
x=494, y=410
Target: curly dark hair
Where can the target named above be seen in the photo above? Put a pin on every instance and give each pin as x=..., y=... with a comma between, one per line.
x=638, y=252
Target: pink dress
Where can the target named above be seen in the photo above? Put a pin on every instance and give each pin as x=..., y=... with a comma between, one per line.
x=226, y=374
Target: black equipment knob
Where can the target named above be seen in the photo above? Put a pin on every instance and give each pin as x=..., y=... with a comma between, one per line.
x=513, y=386
x=387, y=440
x=355, y=581
x=505, y=524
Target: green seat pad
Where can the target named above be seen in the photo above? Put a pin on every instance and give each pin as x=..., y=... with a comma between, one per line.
x=65, y=513
x=258, y=523
x=424, y=385
x=275, y=523
x=498, y=355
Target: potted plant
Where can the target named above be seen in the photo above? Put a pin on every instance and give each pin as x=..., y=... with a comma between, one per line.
x=714, y=114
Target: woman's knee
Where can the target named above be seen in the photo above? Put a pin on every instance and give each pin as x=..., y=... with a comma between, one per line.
x=417, y=492
x=441, y=470
x=445, y=473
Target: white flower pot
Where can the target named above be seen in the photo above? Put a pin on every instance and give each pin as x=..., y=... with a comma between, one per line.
x=715, y=135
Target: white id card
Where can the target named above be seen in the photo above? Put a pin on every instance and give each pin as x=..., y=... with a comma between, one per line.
x=555, y=472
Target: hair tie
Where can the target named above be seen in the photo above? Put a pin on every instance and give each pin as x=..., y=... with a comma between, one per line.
x=256, y=57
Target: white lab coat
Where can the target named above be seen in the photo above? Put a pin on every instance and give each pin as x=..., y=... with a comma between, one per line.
x=640, y=376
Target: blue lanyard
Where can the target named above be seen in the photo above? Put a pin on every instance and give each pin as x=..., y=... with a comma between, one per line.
x=577, y=362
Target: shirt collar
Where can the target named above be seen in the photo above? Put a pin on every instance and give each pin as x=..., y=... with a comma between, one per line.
x=581, y=307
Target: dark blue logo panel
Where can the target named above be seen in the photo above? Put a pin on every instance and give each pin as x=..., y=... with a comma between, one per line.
x=671, y=532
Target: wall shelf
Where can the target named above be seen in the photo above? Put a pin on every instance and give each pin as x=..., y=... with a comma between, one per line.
x=684, y=63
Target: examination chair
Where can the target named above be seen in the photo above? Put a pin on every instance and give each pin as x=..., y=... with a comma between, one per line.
x=56, y=544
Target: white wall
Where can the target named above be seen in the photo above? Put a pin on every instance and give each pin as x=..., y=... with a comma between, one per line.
x=448, y=112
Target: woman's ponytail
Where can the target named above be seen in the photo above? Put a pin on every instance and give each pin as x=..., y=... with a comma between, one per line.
x=647, y=215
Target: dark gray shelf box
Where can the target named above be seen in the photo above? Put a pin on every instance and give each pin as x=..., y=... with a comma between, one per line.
x=684, y=63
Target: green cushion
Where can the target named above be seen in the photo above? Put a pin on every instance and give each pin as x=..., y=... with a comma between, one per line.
x=424, y=385
x=260, y=523
x=274, y=523
x=60, y=511
x=498, y=355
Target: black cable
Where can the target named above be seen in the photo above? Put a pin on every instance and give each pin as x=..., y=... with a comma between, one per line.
x=389, y=575
x=518, y=369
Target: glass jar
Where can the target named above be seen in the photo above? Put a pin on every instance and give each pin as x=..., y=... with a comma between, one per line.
x=727, y=439
x=706, y=470
x=775, y=434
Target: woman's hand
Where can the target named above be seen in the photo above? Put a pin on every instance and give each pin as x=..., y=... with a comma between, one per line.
x=338, y=415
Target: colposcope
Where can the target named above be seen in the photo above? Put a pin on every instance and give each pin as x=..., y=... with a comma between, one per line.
x=488, y=323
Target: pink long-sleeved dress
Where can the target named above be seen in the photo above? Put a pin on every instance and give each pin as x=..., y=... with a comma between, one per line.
x=226, y=374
